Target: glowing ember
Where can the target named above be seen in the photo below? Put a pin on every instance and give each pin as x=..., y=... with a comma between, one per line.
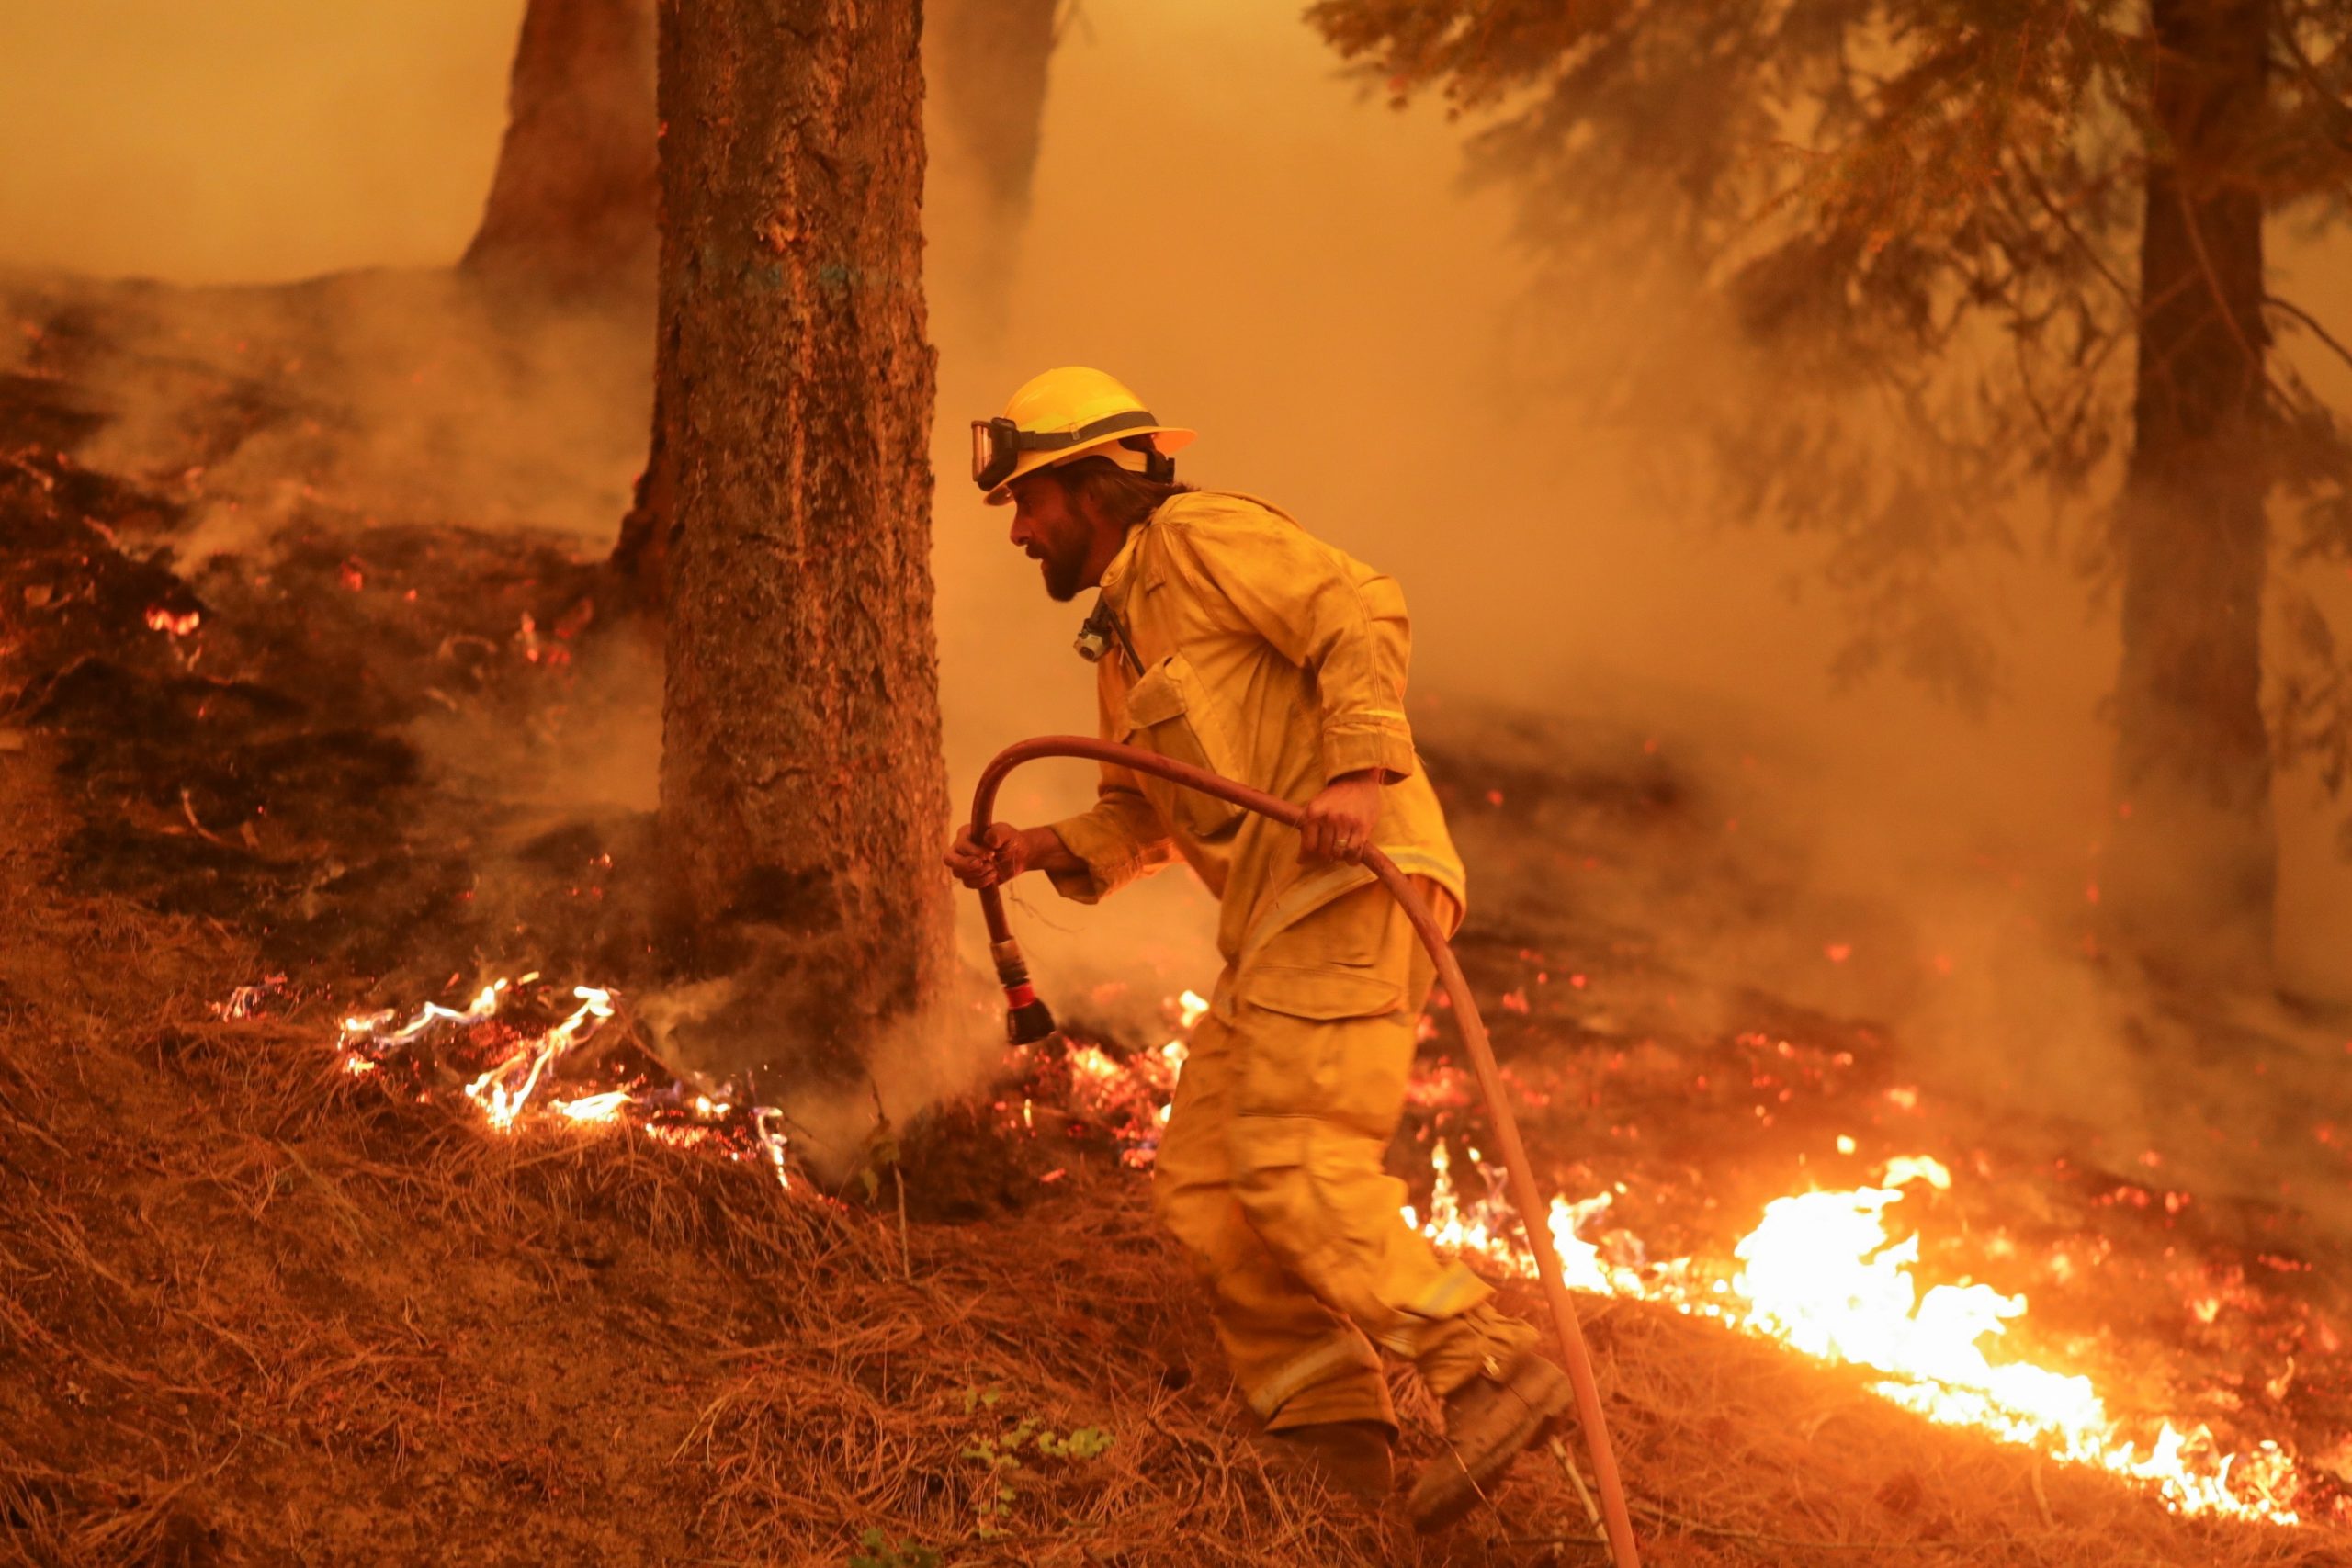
x=1822, y=1275
x=1130, y=1096
x=249, y=1001
x=1127, y=1095
x=178, y=624
x=512, y=1071
x=1095, y=1069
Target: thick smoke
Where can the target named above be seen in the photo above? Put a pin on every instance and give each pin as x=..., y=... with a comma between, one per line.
x=372, y=395
x=1300, y=273
x=1303, y=276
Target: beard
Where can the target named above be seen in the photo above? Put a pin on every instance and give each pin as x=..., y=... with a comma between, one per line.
x=1064, y=569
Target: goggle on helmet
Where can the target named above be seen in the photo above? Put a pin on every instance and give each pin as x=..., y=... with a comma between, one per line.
x=997, y=444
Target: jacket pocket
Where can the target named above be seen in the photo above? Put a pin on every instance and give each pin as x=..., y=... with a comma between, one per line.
x=1169, y=712
x=1323, y=990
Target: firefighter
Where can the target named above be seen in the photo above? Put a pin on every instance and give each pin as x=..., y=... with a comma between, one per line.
x=1228, y=637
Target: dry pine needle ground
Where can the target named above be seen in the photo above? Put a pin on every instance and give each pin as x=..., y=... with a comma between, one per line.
x=253, y=1312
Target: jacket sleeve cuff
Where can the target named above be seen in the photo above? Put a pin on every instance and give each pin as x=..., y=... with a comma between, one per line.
x=1113, y=858
x=1350, y=748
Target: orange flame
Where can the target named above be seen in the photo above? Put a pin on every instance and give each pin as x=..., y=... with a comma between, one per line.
x=502, y=1091
x=508, y=1091
x=1821, y=1274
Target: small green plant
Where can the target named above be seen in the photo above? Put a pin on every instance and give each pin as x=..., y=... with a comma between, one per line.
x=880, y=1154
x=881, y=1552
x=999, y=1453
x=1083, y=1442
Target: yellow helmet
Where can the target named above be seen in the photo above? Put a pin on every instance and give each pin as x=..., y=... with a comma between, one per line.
x=1064, y=414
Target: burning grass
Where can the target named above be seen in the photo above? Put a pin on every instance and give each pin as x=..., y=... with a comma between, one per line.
x=516, y=1071
x=1821, y=1274
x=1827, y=1273
x=254, y=1310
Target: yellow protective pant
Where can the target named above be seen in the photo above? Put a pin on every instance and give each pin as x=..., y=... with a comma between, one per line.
x=1270, y=1174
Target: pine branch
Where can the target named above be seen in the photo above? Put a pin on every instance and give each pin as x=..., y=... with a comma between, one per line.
x=2312, y=321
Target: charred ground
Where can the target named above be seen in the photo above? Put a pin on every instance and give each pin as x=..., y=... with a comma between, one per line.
x=256, y=1309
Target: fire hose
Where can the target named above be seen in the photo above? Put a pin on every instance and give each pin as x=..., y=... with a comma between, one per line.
x=1027, y=1020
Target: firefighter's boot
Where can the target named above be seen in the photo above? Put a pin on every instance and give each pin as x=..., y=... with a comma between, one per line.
x=1488, y=1420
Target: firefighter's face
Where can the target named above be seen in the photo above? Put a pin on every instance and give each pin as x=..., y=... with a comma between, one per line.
x=1048, y=526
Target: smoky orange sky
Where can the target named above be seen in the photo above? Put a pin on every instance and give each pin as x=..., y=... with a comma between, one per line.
x=1238, y=231
x=250, y=139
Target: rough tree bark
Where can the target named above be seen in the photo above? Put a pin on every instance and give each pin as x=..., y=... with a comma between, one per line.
x=572, y=207
x=2197, y=861
x=988, y=60
x=803, y=794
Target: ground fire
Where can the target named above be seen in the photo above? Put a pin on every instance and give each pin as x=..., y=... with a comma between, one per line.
x=527, y=1073
x=1823, y=1272
x=1138, y=786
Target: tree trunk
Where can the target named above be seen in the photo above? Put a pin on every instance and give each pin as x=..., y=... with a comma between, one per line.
x=2195, y=862
x=572, y=207
x=987, y=62
x=986, y=59
x=640, y=558
x=803, y=794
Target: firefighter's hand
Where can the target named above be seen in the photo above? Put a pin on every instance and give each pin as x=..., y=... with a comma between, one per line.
x=1004, y=855
x=1340, y=820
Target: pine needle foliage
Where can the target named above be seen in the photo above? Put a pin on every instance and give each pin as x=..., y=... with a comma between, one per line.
x=1926, y=216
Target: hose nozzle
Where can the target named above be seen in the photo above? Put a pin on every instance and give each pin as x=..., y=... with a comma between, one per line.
x=1026, y=1019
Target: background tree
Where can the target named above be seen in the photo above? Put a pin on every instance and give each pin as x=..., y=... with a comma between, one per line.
x=987, y=60
x=1958, y=212
x=572, y=206
x=803, y=795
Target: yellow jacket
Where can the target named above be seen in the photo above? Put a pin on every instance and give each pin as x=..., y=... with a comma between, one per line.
x=1277, y=661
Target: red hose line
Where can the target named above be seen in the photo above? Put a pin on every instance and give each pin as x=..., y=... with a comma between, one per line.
x=1534, y=1211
